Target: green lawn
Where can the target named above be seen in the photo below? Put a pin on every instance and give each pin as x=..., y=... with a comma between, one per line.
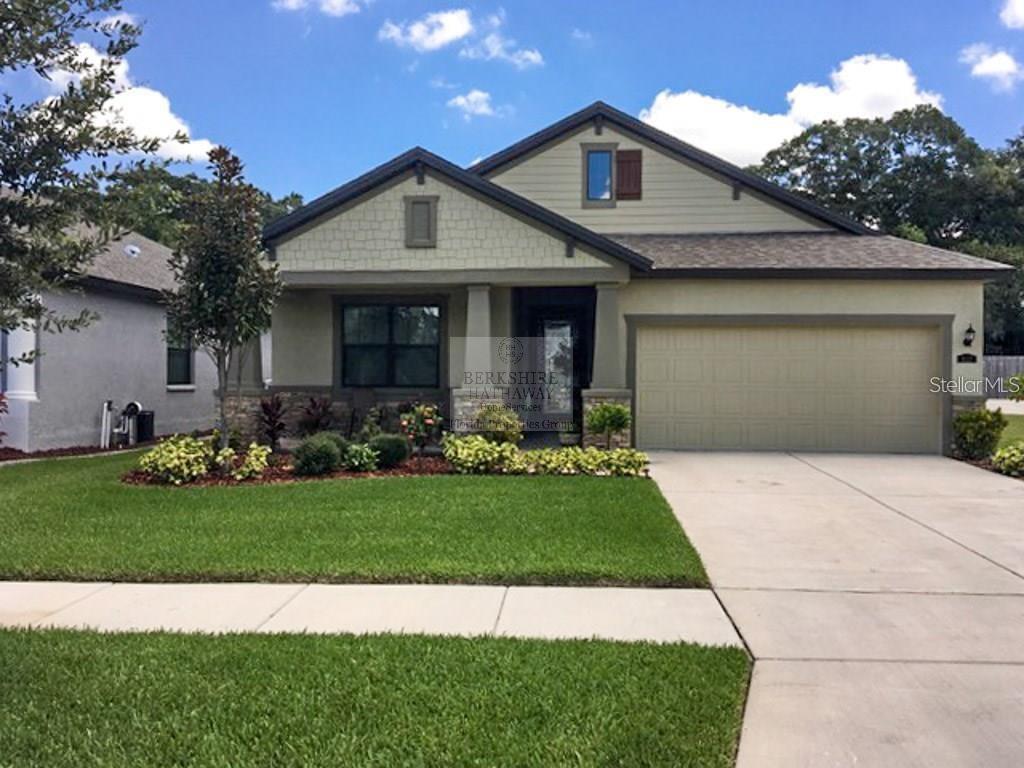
x=1014, y=430
x=75, y=699
x=74, y=519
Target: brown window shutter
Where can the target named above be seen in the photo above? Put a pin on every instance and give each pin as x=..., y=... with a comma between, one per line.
x=628, y=173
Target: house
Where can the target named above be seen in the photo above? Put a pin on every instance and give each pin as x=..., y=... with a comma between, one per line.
x=123, y=356
x=726, y=312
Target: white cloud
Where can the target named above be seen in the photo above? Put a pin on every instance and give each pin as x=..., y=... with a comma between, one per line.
x=476, y=103
x=997, y=66
x=432, y=32
x=581, y=35
x=145, y=110
x=440, y=82
x=330, y=7
x=1012, y=14
x=862, y=86
x=496, y=46
x=120, y=18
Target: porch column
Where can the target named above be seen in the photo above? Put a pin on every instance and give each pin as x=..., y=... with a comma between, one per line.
x=478, y=329
x=608, y=382
x=609, y=340
x=266, y=358
x=469, y=394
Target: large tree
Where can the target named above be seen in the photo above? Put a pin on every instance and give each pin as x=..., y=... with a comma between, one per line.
x=53, y=220
x=152, y=200
x=226, y=289
x=917, y=168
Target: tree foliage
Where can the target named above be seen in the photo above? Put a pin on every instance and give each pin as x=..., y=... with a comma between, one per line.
x=226, y=290
x=53, y=151
x=919, y=176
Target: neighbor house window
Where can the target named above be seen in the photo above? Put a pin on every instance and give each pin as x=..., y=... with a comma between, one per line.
x=421, y=221
x=179, y=363
x=599, y=174
x=391, y=345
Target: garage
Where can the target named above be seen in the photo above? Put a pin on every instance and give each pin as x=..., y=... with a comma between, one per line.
x=788, y=387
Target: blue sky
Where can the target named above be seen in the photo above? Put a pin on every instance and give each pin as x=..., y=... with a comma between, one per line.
x=313, y=92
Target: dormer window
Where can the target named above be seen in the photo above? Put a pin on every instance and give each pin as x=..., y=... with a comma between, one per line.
x=610, y=174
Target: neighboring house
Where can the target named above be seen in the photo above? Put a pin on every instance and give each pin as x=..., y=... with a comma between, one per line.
x=725, y=311
x=123, y=356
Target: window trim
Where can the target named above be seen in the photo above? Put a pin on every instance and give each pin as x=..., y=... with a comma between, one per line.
x=410, y=240
x=586, y=148
x=390, y=347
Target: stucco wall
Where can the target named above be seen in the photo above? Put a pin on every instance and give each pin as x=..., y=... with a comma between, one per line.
x=837, y=297
x=120, y=357
x=471, y=234
x=677, y=197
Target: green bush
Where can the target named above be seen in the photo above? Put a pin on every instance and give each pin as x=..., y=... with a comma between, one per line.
x=1010, y=459
x=499, y=424
x=253, y=464
x=317, y=455
x=337, y=438
x=976, y=432
x=391, y=450
x=476, y=455
x=360, y=458
x=177, y=460
x=473, y=454
x=1015, y=386
x=608, y=419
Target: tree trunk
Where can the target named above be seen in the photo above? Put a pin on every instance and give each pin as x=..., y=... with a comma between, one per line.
x=221, y=359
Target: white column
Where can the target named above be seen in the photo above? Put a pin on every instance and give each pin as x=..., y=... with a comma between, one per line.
x=478, y=329
x=267, y=357
x=609, y=340
x=21, y=378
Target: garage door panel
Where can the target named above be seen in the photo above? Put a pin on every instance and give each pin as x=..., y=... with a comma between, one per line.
x=788, y=388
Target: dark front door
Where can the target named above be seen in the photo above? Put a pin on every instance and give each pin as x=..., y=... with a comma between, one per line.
x=561, y=319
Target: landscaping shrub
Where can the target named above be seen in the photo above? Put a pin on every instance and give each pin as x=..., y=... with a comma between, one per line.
x=253, y=464
x=271, y=420
x=337, y=438
x=360, y=458
x=474, y=454
x=234, y=438
x=1015, y=386
x=317, y=455
x=1010, y=459
x=223, y=460
x=177, y=460
x=370, y=427
x=391, y=450
x=317, y=416
x=499, y=424
x=422, y=424
x=976, y=432
x=608, y=419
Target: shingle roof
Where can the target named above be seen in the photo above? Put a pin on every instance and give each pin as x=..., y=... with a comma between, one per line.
x=804, y=254
x=148, y=269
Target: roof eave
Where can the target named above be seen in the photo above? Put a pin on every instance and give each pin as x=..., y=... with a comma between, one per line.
x=827, y=273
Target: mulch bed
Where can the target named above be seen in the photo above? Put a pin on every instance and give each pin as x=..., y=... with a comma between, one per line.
x=282, y=473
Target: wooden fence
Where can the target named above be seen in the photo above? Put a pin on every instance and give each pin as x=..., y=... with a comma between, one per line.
x=1001, y=367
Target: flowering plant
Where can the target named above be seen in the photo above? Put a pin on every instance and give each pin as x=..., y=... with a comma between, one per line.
x=422, y=424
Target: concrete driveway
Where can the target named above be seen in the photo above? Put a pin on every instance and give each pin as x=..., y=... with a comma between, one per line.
x=881, y=596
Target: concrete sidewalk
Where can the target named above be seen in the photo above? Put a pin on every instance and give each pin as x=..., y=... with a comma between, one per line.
x=657, y=615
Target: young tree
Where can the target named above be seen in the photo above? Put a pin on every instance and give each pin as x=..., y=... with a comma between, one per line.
x=53, y=220
x=226, y=290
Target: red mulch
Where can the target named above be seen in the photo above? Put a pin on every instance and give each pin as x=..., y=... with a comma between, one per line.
x=282, y=473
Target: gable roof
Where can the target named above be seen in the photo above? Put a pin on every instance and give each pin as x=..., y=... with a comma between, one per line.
x=673, y=146
x=419, y=159
x=148, y=270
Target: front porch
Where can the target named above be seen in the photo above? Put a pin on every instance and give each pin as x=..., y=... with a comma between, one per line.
x=458, y=346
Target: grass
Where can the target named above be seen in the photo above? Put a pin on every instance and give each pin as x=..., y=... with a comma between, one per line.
x=73, y=519
x=74, y=699
x=1014, y=430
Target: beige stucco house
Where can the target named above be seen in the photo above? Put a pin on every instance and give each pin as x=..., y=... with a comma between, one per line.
x=726, y=312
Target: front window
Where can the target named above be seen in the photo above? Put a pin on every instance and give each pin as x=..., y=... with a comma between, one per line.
x=599, y=174
x=391, y=345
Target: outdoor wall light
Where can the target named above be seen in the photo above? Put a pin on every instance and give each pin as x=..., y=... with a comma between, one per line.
x=969, y=335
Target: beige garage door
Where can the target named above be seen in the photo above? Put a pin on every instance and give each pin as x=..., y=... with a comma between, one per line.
x=788, y=388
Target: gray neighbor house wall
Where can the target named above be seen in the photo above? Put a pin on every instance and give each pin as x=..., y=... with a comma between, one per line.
x=120, y=357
